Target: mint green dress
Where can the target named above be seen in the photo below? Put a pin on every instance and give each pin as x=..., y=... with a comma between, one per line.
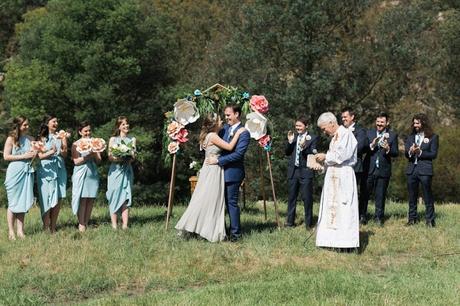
x=19, y=180
x=85, y=183
x=51, y=177
x=120, y=182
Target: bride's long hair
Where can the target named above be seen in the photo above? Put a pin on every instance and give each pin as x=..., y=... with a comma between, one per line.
x=209, y=125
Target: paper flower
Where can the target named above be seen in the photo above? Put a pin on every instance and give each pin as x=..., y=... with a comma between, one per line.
x=246, y=95
x=173, y=147
x=197, y=92
x=97, y=144
x=84, y=146
x=426, y=140
x=174, y=128
x=259, y=104
x=38, y=146
x=181, y=136
x=62, y=134
x=386, y=135
x=265, y=141
x=185, y=111
x=256, y=124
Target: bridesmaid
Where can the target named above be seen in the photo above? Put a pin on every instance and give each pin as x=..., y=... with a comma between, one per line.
x=120, y=178
x=19, y=181
x=85, y=179
x=51, y=173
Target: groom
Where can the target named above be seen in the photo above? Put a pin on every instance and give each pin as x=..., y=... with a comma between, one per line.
x=233, y=164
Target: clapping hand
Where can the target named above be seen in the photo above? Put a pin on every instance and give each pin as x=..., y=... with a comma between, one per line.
x=290, y=136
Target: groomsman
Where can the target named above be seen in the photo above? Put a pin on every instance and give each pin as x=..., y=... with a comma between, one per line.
x=300, y=177
x=421, y=148
x=383, y=145
x=360, y=133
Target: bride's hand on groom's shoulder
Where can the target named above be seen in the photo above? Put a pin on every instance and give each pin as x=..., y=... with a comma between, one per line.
x=240, y=130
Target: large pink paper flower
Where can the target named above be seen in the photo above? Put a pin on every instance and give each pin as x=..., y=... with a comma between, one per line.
x=181, y=136
x=174, y=128
x=259, y=104
x=173, y=147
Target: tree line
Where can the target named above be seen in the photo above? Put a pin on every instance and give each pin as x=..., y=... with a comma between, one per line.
x=97, y=59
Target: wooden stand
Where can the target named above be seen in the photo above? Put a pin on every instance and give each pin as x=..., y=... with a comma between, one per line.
x=273, y=190
x=171, y=191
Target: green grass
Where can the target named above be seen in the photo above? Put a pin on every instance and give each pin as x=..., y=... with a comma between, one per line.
x=146, y=265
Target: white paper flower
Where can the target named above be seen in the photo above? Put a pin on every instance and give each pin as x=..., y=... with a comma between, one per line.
x=256, y=124
x=185, y=111
x=308, y=137
x=386, y=135
x=426, y=140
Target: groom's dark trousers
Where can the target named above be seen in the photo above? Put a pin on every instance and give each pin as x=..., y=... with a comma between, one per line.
x=233, y=164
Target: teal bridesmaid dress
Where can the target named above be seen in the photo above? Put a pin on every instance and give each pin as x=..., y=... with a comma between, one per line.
x=51, y=177
x=120, y=182
x=85, y=183
x=19, y=181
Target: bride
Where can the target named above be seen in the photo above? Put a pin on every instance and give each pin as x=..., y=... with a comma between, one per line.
x=205, y=214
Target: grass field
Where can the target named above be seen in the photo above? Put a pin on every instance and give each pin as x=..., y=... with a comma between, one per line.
x=145, y=265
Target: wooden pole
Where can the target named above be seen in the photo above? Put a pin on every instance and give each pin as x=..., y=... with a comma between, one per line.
x=273, y=190
x=262, y=183
x=171, y=190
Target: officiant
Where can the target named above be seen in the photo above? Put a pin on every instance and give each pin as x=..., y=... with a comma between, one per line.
x=338, y=220
x=300, y=178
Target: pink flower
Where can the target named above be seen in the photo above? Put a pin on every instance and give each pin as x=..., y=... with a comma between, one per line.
x=181, y=136
x=38, y=146
x=98, y=144
x=259, y=104
x=173, y=147
x=174, y=128
x=264, y=141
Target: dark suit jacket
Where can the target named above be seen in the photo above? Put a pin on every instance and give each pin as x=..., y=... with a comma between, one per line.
x=290, y=150
x=233, y=161
x=425, y=160
x=360, y=134
x=384, y=169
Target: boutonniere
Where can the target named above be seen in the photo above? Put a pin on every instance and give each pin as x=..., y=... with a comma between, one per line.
x=426, y=140
x=308, y=137
x=352, y=129
x=386, y=135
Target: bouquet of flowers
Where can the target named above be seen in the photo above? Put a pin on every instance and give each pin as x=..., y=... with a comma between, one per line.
x=88, y=145
x=123, y=149
x=62, y=134
x=38, y=146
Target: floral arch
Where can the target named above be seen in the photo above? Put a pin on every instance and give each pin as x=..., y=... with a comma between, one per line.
x=213, y=100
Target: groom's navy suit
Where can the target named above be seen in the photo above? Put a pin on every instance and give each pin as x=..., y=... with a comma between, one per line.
x=233, y=164
x=420, y=170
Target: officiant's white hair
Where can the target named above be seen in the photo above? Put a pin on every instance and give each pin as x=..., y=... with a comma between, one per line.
x=326, y=118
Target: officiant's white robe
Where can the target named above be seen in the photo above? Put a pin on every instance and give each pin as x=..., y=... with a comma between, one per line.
x=338, y=220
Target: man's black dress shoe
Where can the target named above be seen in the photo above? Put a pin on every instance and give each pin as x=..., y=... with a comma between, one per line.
x=410, y=222
x=431, y=223
x=289, y=225
x=379, y=222
x=235, y=238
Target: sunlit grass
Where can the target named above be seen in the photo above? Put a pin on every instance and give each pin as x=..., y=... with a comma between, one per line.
x=148, y=265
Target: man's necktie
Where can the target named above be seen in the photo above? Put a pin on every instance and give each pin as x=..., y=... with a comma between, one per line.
x=379, y=135
x=297, y=152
